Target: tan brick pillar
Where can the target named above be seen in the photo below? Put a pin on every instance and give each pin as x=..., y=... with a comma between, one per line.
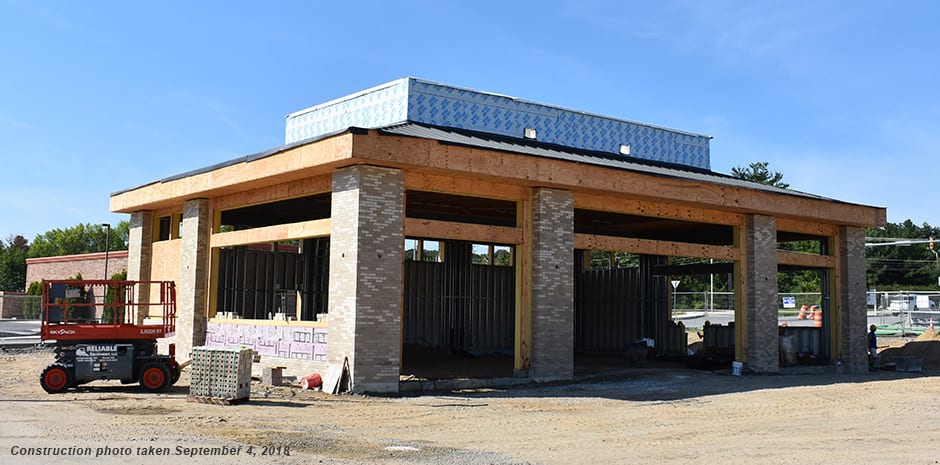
x=192, y=287
x=759, y=254
x=366, y=244
x=552, y=282
x=853, y=314
x=139, y=255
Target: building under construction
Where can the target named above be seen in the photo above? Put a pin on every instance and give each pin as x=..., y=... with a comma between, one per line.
x=415, y=220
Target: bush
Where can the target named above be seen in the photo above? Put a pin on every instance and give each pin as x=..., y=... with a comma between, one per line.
x=32, y=306
x=107, y=315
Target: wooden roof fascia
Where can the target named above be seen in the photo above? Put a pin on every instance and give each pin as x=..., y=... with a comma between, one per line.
x=299, y=162
x=425, y=154
x=431, y=157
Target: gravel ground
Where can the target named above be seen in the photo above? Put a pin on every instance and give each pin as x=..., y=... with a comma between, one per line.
x=653, y=414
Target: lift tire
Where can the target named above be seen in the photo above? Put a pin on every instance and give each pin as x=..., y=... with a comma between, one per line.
x=56, y=378
x=175, y=372
x=154, y=377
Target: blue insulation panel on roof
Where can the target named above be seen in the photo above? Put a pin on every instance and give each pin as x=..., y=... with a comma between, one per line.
x=372, y=108
x=419, y=101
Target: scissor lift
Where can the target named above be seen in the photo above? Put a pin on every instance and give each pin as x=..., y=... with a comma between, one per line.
x=101, y=332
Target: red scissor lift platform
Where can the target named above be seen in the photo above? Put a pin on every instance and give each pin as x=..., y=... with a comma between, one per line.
x=101, y=331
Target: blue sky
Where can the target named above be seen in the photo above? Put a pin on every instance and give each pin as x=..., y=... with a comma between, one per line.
x=96, y=97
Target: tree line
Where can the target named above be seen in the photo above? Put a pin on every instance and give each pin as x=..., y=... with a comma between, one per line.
x=79, y=239
x=916, y=266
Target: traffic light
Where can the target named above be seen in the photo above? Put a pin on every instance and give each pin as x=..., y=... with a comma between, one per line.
x=931, y=243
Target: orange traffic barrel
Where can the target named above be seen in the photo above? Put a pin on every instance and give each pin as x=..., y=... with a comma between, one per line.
x=802, y=314
x=817, y=317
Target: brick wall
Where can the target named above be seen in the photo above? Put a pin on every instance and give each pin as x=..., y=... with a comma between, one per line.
x=191, y=289
x=853, y=314
x=760, y=256
x=140, y=246
x=366, y=275
x=91, y=266
x=552, y=355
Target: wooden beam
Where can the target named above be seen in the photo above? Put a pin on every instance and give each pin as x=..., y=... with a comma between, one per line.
x=631, y=206
x=654, y=247
x=741, y=270
x=807, y=227
x=804, y=259
x=486, y=169
x=214, y=266
x=438, y=158
x=463, y=186
x=835, y=309
x=693, y=269
x=522, y=346
x=276, y=192
x=416, y=227
x=279, y=232
x=304, y=161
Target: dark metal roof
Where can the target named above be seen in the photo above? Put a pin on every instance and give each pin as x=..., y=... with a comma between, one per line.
x=476, y=139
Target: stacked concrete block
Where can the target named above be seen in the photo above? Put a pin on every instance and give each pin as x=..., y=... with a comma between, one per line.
x=223, y=374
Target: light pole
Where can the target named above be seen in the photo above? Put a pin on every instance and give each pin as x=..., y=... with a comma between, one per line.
x=107, y=247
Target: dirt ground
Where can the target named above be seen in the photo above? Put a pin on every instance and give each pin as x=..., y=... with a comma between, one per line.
x=655, y=413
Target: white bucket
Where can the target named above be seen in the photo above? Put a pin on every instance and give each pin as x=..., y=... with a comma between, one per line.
x=736, y=368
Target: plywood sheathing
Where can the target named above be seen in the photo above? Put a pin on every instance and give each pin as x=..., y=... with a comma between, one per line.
x=295, y=164
x=428, y=162
x=430, y=156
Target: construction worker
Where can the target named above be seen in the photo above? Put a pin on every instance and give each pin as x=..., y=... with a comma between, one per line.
x=872, y=347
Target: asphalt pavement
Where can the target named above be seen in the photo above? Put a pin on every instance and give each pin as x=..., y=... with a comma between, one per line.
x=26, y=332
x=19, y=332
x=697, y=319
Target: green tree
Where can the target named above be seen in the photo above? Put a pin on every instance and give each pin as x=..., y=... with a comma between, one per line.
x=83, y=238
x=502, y=257
x=803, y=280
x=32, y=306
x=113, y=307
x=894, y=266
x=758, y=172
x=13, y=264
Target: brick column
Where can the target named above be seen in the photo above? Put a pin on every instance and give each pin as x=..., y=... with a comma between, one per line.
x=853, y=315
x=192, y=287
x=760, y=263
x=366, y=244
x=139, y=253
x=552, y=280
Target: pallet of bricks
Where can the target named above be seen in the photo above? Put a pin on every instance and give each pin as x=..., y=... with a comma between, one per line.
x=221, y=376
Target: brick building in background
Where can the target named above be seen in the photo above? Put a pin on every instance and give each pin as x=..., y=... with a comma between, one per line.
x=90, y=265
x=369, y=241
